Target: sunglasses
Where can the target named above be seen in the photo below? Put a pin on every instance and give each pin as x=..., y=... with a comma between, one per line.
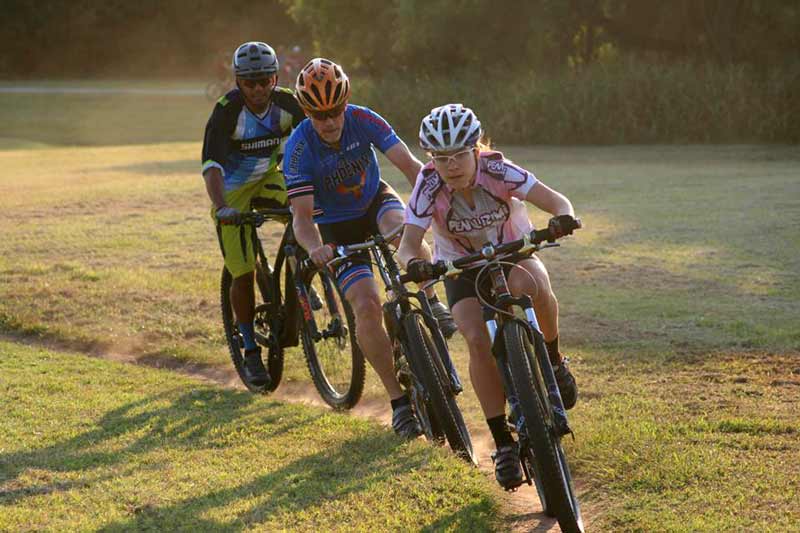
x=458, y=158
x=263, y=82
x=330, y=113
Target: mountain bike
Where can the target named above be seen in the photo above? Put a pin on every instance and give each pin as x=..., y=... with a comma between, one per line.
x=308, y=308
x=527, y=374
x=421, y=358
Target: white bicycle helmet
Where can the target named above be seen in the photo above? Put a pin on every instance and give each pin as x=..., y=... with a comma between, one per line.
x=449, y=128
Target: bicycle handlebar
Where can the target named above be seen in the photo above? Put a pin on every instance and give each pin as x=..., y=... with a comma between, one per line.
x=528, y=244
x=258, y=217
x=342, y=252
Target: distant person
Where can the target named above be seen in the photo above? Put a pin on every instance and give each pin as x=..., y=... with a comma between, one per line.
x=333, y=179
x=242, y=150
x=293, y=63
x=472, y=195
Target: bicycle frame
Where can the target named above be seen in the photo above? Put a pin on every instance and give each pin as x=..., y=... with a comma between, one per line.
x=399, y=303
x=495, y=321
x=281, y=308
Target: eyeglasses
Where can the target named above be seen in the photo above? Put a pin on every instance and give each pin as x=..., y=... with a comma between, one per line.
x=458, y=158
x=330, y=113
x=263, y=82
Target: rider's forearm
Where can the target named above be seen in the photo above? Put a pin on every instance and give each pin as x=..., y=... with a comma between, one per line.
x=214, y=187
x=562, y=206
x=549, y=200
x=402, y=158
x=405, y=254
x=411, y=245
x=306, y=233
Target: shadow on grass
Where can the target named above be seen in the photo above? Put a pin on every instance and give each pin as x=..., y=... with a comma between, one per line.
x=191, y=421
x=354, y=466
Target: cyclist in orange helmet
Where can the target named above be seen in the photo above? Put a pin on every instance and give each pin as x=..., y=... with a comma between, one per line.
x=333, y=179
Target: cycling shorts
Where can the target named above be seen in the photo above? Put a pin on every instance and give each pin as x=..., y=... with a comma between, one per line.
x=463, y=286
x=359, y=266
x=237, y=243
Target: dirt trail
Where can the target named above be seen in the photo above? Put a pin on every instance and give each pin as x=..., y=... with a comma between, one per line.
x=521, y=510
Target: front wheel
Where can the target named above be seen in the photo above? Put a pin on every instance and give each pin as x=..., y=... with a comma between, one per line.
x=328, y=333
x=263, y=327
x=440, y=400
x=548, y=455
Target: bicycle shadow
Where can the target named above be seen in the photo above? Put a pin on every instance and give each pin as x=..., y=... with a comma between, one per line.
x=301, y=486
x=191, y=421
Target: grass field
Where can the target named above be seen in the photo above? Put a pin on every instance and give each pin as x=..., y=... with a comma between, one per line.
x=680, y=298
x=87, y=444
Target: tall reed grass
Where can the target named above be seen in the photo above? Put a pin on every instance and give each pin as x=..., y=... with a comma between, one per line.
x=630, y=101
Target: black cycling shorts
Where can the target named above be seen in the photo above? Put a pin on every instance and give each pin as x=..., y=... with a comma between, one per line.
x=358, y=230
x=463, y=286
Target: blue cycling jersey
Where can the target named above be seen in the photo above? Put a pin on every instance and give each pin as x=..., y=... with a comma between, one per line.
x=343, y=179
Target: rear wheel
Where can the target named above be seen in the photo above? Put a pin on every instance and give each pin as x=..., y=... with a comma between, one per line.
x=327, y=330
x=440, y=400
x=548, y=455
x=274, y=354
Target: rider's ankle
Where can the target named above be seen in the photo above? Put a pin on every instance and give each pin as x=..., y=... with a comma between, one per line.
x=552, y=351
x=500, y=433
x=248, y=335
x=400, y=402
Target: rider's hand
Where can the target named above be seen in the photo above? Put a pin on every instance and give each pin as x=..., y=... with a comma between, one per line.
x=321, y=255
x=228, y=215
x=419, y=270
x=562, y=225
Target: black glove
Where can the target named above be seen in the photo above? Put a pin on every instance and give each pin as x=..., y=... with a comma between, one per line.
x=562, y=225
x=419, y=270
x=228, y=215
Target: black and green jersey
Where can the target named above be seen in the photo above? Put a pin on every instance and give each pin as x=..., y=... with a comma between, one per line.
x=244, y=146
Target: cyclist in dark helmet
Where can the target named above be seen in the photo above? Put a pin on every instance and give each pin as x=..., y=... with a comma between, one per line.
x=242, y=155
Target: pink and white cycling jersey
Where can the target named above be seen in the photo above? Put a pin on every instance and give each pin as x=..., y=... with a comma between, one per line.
x=459, y=229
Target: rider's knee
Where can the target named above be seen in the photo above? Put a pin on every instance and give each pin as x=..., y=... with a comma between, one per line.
x=477, y=340
x=367, y=309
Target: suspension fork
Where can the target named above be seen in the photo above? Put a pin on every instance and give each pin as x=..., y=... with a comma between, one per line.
x=300, y=288
x=389, y=270
x=439, y=342
x=499, y=353
x=543, y=360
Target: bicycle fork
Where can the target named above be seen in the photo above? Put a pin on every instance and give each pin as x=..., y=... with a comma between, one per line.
x=542, y=360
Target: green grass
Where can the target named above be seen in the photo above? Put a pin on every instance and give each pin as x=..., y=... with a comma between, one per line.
x=87, y=444
x=679, y=305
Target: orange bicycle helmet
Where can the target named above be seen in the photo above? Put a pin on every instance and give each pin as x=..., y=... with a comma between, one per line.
x=322, y=85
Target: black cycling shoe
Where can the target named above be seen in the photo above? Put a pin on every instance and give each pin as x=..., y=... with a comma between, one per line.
x=314, y=300
x=405, y=423
x=507, y=468
x=254, y=369
x=566, y=384
x=444, y=318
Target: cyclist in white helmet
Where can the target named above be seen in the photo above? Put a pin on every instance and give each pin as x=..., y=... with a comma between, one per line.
x=472, y=195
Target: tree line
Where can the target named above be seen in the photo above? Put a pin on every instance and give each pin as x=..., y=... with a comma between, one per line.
x=424, y=37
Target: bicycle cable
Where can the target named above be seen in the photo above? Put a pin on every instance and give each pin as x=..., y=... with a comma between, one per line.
x=485, y=302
